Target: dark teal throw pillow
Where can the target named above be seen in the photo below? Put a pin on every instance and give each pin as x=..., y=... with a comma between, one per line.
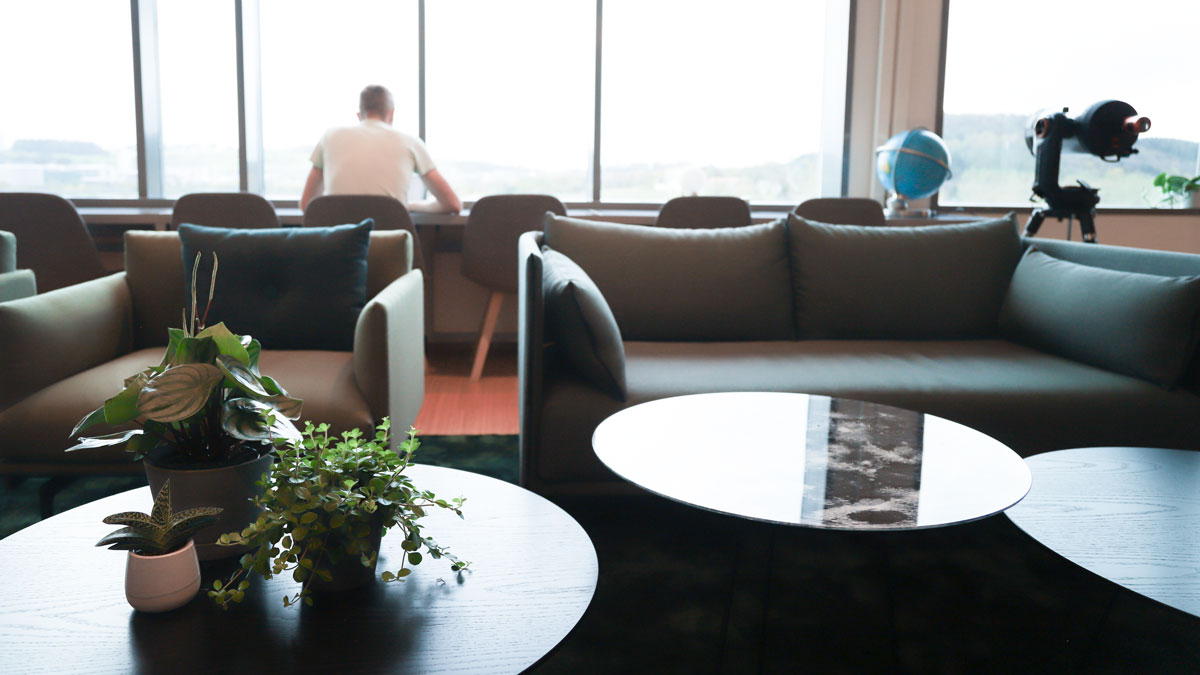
x=290, y=288
x=1141, y=325
x=579, y=320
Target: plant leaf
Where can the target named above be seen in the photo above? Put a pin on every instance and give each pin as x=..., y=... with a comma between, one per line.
x=179, y=392
x=241, y=376
x=194, y=350
x=127, y=539
x=128, y=518
x=86, y=443
x=94, y=417
x=161, y=513
x=123, y=407
x=174, y=335
x=244, y=418
x=227, y=343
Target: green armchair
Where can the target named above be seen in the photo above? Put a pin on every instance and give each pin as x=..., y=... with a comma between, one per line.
x=14, y=283
x=64, y=352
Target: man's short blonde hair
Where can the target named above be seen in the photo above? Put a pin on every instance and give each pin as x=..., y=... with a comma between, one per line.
x=375, y=100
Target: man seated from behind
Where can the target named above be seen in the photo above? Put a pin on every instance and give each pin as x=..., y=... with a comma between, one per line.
x=374, y=158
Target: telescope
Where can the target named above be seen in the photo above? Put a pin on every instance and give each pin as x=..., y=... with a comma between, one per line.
x=1106, y=129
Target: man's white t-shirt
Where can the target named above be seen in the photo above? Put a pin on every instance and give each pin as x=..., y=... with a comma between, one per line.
x=370, y=158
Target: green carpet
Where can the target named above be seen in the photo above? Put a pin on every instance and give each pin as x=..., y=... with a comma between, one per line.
x=494, y=456
x=682, y=590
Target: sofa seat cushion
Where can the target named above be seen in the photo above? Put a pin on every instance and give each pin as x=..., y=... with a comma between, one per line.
x=36, y=429
x=1029, y=400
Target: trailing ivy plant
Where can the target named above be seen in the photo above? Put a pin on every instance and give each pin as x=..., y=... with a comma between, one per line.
x=322, y=501
x=206, y=401
x=160, y=532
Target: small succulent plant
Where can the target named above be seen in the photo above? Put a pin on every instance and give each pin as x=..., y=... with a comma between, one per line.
x=162, y=531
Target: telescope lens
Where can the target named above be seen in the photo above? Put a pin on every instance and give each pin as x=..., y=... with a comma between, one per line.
x=1136, y=124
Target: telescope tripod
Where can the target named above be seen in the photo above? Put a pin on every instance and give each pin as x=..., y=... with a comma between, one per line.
x=1087, y=221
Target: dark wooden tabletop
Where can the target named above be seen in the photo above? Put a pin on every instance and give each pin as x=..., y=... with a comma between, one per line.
x=1130, y=515
x=62, y=604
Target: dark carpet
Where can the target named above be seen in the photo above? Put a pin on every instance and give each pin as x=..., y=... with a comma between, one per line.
x=687, y=591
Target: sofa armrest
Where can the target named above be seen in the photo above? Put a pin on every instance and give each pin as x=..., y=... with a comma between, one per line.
x=531, y=328
x=17, y=284
x=389, y=351
x=46, y=338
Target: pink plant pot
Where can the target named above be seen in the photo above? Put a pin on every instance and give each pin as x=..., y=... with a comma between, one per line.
x=160, y=583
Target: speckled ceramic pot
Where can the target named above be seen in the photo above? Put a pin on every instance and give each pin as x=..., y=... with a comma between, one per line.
x=160, y=583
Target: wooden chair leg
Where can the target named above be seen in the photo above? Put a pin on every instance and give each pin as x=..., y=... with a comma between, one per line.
x=485, y=335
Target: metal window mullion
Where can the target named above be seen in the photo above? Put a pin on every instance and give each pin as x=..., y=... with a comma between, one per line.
x=421, y=69
x=147, y=98
x=251, y=172
x=596, y=136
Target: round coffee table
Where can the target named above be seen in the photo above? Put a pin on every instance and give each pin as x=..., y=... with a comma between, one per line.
x=1129, y=515
x=533, y=575
x=812, y=461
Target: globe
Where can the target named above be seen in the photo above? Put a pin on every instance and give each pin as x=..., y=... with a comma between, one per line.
x=913, y=164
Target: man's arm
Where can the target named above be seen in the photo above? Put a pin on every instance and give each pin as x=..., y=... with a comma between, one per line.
x=312, y=187
x=444, y=199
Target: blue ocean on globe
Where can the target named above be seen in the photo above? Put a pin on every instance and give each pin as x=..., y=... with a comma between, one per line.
x=913, y=163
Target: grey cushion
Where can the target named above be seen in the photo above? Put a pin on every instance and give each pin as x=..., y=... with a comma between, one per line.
x=275, y=283
x=918, y=283
x=580, y=321
x=1142, y=325
x=683, y=284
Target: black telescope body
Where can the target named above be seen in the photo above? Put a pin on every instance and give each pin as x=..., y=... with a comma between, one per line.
x=1106, y=129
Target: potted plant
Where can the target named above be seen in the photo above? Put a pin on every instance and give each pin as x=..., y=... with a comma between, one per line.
x=326, y=505
x=1178, y=190
x=205, y=417
x=161, y=570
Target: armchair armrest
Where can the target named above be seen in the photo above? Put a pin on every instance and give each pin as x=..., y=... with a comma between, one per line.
x=389, y=351
x=531, y=329
x=46, y=338
x=17, y=284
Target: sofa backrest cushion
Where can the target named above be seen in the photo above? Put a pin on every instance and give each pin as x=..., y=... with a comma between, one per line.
x=934, y=282
x=580, y=322
x=722, y=284
x=1142, y=325
x=154, y=271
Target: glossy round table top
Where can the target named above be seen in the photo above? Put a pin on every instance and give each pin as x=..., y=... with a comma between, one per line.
x=812, y=461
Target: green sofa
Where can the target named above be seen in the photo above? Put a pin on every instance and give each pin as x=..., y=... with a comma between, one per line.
x=1067, y=346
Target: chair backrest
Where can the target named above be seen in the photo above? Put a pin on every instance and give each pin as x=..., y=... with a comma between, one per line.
x=52, y=239
x=843, y=211
x=389, y=214
x=224, y=209
x=702, y=212
x=496, y=222
x=8, y=252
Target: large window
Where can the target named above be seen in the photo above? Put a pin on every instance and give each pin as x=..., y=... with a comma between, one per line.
x=67, y=110
x=316, y=58
x=609, y=101
x=510, y=96
x=713, y=98
x=197, y=56
x=1007, y=61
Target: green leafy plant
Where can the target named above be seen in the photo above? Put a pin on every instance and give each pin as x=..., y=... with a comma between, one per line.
x=1176, y=189
x=206, y=401
x=160, y=532
x=323, y=499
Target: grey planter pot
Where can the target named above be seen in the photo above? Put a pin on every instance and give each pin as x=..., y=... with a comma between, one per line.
x=228, y=487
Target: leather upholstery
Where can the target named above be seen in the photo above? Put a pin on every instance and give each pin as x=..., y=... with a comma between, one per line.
x=704, y=212
x=489, y=249
x=842, y=211
x=388, y=212
x=224, y=209
x=52, y=239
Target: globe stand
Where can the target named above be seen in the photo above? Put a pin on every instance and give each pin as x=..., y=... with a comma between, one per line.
x=897, y=207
